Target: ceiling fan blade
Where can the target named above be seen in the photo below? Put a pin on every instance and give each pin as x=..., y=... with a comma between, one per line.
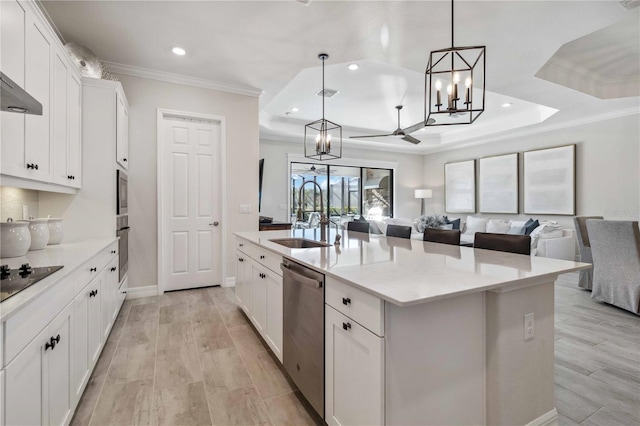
x=371, y=136
x=419, y=126
x=411, y=139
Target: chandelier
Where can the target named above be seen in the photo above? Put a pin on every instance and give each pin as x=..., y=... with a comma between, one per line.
x=322, y=138
x=454, y=84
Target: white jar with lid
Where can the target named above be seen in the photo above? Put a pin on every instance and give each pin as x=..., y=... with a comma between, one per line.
x=39, y=229
x=56, y=230
x=15, y=238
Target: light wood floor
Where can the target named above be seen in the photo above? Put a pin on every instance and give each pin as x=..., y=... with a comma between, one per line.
x=188, y=358
x=192, y=358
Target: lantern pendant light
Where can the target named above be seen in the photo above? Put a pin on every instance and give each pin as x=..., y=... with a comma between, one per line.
x=448, y=69
x=322, y=138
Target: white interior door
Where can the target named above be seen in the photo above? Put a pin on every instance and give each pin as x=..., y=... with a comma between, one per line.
x=191, y=203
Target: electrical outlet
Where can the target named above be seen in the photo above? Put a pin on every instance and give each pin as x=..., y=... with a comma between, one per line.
x=25, y=212
x=529, y=326
x=245, y=208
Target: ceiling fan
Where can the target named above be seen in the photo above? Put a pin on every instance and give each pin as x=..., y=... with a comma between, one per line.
x=396, y=132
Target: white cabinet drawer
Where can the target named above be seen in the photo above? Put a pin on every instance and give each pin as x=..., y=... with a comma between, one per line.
x=268, y=258
x=22, y=327
x=243, y=246
x=364, y=308
x=91, y=268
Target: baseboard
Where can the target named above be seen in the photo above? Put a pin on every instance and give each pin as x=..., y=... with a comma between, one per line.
x=230, y=282
x=145, y=291
x=547, y=419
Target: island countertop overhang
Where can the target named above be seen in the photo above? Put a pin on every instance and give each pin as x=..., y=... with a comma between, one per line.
x=409, y=272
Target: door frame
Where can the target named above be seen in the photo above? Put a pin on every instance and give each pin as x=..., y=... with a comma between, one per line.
x=162, y=114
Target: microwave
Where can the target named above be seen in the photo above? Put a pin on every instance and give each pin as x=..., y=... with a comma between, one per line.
x=122, y=199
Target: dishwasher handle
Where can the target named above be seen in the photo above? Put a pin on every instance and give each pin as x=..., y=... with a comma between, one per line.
x=299, y=277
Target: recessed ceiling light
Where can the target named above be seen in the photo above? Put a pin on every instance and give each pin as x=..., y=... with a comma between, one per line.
x=506, y=104
x=353, y=67
x=179, y=51
x=294, y=109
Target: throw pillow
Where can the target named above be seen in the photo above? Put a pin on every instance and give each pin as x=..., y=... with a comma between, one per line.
x=447, y=227
x=549, y=234
x=476, y=224
x=516, y=230
x=519, y=223
x=497, y=226
x=454, y=222
x=531, y=226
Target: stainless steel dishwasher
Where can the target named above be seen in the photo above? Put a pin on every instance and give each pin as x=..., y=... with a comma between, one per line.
x=303, y=330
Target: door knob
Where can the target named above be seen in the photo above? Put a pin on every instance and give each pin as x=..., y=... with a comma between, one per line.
x=216, y=223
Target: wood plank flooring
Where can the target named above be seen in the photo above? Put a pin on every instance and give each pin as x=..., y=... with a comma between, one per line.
x=597, y=353
x=188, y=358
x=191, y=357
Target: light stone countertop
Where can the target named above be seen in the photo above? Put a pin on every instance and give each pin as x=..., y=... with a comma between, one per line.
x=70, y=255
x=408, y=272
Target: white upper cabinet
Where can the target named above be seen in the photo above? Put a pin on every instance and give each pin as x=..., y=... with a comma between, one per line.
x=66, y=122
x=122, y=130
x=12, y=26
x=37, y=138
x=44, y=148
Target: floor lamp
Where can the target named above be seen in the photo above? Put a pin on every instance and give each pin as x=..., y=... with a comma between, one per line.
x=422, y=194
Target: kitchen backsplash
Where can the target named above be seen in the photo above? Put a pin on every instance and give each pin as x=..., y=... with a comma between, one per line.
x=12, y=200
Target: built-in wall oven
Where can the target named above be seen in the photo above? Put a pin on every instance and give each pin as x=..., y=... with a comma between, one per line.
x=122, y=185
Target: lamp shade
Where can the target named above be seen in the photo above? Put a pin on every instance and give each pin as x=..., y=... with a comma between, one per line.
x=423, y=193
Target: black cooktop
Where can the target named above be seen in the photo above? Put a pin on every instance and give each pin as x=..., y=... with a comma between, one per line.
x=13, y=281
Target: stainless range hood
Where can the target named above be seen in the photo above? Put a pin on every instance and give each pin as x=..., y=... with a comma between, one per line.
x=16, y=99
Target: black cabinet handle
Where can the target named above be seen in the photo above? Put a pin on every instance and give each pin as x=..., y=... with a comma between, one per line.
x=53, y=341
x=240, y=245
x=113, y=268
x=261, y=256
x=92, y=293
x=113, y=252
x=346, y=300
x=36, y=167
x=240, y=259
x=124, y=159
x=346, y=325
x=263, y=276
x=30, y=166
x=69, y=177
x=93, y=270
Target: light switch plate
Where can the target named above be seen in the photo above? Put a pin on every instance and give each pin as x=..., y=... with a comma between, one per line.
x=245, y=208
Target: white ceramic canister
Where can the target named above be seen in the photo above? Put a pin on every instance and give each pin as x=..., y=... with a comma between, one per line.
x=15, y=238
x=39, y=229
x=56, y=230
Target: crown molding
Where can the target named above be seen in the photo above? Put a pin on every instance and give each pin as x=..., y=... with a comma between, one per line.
x=181, y=79
x=541, y=128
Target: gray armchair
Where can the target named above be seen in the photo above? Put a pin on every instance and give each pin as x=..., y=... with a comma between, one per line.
x=615, y=247
x=584, y=247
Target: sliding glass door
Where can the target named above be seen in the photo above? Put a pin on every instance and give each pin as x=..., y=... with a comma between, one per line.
x=347, y=192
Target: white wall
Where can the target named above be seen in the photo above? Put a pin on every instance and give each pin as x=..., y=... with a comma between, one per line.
x=241, y=113
x=409, y=176
x=607, y=168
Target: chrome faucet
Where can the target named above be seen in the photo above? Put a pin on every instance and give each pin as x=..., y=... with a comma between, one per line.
x=323, y=218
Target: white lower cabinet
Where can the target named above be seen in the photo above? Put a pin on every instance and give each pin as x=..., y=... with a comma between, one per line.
x=258, y=297
x=274, y=314
x=259, y=292
x=55, y=343
x=37, y=383
x=243, y=282
x=354, y=372
x=88, y=338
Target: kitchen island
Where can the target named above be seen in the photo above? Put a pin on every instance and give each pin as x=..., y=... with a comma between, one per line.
x=426, y=333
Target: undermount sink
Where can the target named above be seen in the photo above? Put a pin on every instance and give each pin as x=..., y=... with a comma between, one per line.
x=299, y=243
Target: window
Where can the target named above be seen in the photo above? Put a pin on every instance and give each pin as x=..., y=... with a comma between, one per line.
x=347, y=192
